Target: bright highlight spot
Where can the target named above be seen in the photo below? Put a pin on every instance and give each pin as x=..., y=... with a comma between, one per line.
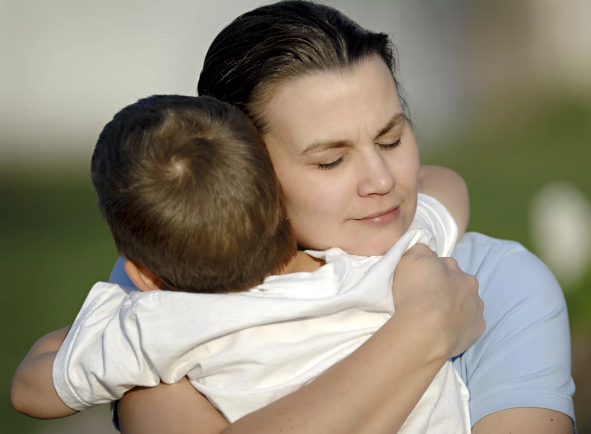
x=560, y=222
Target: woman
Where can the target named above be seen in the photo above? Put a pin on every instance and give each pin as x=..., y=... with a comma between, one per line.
x=321, y=91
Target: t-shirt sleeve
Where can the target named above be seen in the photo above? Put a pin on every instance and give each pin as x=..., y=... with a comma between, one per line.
x=433, y=216
x=118, y=276
x=523, y=358
x=102, y=357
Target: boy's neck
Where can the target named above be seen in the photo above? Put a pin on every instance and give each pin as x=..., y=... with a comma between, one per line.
x=302, y=262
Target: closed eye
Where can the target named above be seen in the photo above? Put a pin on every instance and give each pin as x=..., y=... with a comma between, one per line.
x=386, y=146
x=331, y=165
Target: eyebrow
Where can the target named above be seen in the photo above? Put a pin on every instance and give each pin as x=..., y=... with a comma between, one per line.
x=320, y=145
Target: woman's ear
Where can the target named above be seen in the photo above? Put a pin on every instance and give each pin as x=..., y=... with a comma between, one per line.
x=141, y=277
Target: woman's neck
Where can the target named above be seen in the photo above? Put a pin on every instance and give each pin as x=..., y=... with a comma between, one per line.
x=302, y=262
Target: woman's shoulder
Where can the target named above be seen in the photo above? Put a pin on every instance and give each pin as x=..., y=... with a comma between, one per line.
x=480, y=254
x=523, y=357
x=508, y=274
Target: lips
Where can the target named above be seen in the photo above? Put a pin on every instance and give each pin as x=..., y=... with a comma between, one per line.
x=382, y=217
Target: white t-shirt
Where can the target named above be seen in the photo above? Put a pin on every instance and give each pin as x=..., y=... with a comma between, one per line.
x=245, y=350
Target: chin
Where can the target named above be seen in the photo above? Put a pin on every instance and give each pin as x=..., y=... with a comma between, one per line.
x=373, y=246
x=378, y=241
x=369, y=241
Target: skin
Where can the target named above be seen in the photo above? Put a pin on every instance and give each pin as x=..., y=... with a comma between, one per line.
x=366, y=161
x=32, y=391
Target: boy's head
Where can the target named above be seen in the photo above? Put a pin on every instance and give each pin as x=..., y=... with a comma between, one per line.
x=189, y=192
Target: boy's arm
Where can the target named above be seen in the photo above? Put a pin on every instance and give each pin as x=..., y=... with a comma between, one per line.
x=168, y=408
x=450, y=189
x=372, y=390
x=333, y=403
x=32, y=392
x=79, y=366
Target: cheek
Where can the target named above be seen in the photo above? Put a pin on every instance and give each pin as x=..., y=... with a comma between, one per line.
x=316, y=207
x=405, y=166
x=412, y=180
x=413, y=167
x=315, y=200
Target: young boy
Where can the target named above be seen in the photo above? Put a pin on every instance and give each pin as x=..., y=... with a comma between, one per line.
x=190, y=195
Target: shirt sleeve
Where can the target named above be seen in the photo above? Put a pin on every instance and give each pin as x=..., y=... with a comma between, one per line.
x=102, y=358
x=523, y=358
x=433, y=216
x=119, y=276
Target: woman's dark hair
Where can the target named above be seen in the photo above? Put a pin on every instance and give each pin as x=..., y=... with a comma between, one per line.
x=274, y=43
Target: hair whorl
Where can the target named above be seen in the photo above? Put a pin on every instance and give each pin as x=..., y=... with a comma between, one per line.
x=189, y=192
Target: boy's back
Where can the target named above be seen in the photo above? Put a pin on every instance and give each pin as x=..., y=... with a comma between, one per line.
x=245, y=350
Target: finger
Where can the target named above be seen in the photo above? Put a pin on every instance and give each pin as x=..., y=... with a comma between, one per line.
x=451, y=263
x=421, y=249
x=474, y=282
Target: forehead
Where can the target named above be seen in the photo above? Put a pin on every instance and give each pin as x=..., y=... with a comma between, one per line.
x=343, y=105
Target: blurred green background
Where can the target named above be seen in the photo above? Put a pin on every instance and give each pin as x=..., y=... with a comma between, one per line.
x=500, y=91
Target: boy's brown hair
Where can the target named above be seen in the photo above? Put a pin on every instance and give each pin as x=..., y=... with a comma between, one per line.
x=189, y=192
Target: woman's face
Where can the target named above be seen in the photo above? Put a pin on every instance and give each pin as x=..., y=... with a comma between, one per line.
x=346, y=158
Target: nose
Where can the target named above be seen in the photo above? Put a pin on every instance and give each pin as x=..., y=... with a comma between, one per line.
x=376, y=177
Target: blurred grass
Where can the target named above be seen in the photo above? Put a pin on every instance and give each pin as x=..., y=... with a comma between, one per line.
x=508, y=155
x=54, y=245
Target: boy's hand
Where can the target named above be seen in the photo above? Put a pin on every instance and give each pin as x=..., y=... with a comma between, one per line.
x=32, y=392
x=439, y=299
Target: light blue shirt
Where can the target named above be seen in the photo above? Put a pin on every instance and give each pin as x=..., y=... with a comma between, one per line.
x=523, y=357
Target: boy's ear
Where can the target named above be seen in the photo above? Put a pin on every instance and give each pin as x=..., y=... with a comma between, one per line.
x=141, y=277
